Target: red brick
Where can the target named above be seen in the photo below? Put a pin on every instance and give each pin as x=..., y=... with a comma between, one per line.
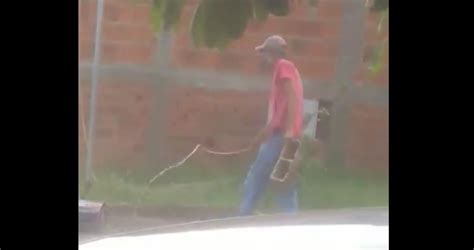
x=255, y=66
x=127, y=53
x=87, y=27
x=373, y=36
x=295, y=27
x=247, y=43
x=143, y=34
x=254, y=27
x=112, y=32
x=312, y=48
x=120, y=139
x=299, y=9
x=141, y=14
x=227, y=142
x=381, y=79
x=85, y=50
x=329, y=10
x=112, y=11
x=329, y=30
x=192, y=3
x=194, y=58
x=87, y=10
x=367, y=144
x=373, y=19
x=233, y=61
x=283, y=26
x=85, y=32
x=182, y=41
x=126, y=14
x=313, y=29
x=83, y=9
x=206, y=112
x=327, y=50
x=360, y=77
x=109, y=52
x=323, y=70
x=371, y=28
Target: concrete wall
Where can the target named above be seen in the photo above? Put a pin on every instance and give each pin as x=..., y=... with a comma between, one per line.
x=179, y=95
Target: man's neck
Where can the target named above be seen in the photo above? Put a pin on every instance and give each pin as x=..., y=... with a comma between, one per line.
x=276, y=61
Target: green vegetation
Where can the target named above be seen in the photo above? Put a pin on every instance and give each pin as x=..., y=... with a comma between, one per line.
x=189, y=185
x=216, y=22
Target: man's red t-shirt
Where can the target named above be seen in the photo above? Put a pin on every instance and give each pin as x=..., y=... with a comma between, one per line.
x=278, y=101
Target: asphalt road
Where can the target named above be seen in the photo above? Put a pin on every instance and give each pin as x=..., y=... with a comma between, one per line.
x=134, y=225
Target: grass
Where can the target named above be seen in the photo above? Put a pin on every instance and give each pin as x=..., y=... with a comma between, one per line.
x=190, y=185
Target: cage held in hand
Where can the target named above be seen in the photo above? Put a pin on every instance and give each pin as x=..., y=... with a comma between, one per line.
x=284, y=167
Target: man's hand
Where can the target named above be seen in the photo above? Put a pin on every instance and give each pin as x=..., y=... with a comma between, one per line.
x=288, y=141
x=294, y=165
x=296, y=162
x=262, y=135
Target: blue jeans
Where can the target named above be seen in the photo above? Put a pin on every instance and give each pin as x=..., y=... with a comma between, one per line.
x=258, y=177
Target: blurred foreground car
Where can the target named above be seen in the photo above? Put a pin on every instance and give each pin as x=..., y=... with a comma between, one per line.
x=347, y=230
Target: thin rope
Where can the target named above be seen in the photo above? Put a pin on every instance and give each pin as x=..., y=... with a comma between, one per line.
x=162, y=172
x=198, y=146
x=227, y=153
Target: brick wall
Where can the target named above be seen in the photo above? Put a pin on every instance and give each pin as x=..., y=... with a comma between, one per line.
x=127, y=36
x=367, y=144
x=122, y=119
x=222, y=119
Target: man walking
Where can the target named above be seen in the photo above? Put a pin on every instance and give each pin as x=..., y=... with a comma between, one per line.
x=284, y=123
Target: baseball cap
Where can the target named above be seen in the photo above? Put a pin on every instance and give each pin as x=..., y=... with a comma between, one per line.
x=274, y=42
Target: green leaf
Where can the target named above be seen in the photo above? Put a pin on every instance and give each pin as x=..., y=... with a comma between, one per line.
x=278, y=7
x=313, y=3
x=171, y=12
x=260, y=10
x=165, y=14
x=197, y=26
x=379, y=5
x=376, y=61
x=156, y=19
x=216, y=22
x=237, y=18
x=383, y=17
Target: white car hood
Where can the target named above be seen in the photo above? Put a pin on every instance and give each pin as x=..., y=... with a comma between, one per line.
x=274, y=238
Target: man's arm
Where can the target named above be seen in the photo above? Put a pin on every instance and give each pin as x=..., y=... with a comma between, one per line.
x=291, y=111
x=290, y=114
x=290, y=120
